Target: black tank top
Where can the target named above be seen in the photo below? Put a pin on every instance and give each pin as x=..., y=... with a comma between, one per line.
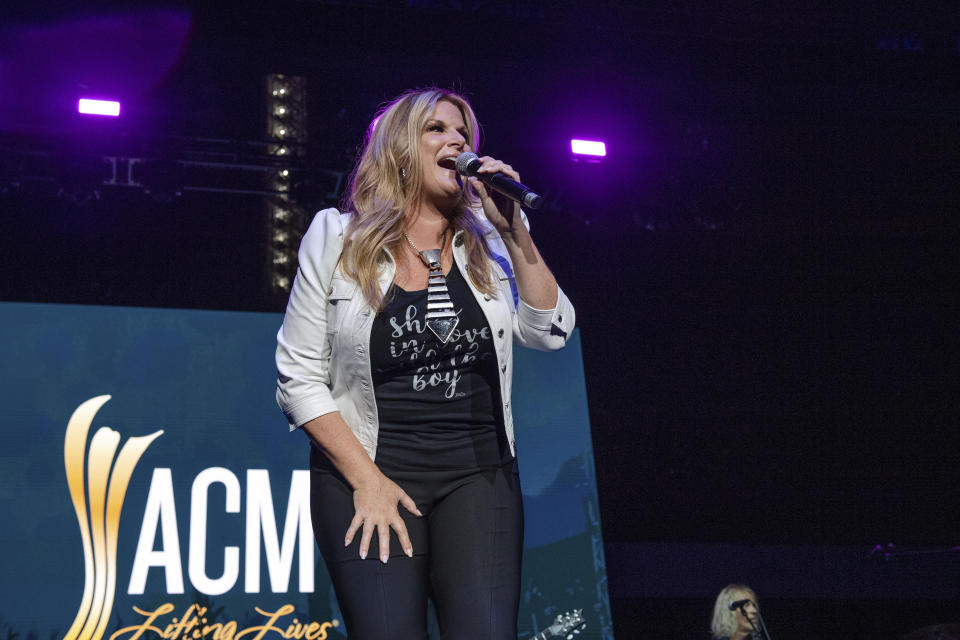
x=438, y=404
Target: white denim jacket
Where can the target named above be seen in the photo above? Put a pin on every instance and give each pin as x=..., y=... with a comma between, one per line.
x=323, y=359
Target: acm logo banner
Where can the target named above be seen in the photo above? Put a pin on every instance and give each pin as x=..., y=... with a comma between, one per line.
x=213, y=503
x=98, y=478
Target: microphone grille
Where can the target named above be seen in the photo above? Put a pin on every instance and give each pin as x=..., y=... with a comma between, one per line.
x=464, y=162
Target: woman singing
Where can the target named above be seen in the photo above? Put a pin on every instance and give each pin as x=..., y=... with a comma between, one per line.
x=395, y=357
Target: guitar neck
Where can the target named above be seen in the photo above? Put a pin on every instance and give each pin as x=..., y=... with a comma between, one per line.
x=566, y=624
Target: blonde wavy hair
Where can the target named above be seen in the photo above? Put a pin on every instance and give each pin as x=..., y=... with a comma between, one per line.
x=378, y=198
x=725, y=622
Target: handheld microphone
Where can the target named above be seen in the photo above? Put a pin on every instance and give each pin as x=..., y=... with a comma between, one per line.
x=736, y=604
x=467, y=165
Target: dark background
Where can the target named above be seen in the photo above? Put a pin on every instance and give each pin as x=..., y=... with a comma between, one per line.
x=763, y=267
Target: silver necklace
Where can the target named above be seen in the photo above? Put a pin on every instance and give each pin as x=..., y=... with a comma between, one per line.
x=427, y=258
x=441, y=318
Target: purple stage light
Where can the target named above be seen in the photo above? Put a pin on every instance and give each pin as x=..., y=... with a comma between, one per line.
x=98, y=107
x=594, y=148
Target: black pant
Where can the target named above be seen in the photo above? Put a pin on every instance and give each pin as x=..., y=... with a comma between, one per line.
x=467, y=551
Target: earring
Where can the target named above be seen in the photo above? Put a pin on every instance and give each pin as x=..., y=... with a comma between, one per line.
x=403, y=174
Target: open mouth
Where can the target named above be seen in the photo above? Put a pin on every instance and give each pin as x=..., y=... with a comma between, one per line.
x=448, y=163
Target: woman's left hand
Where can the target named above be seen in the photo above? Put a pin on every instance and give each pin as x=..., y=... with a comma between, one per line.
x=502, y=212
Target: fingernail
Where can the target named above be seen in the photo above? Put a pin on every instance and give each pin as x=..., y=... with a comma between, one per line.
x=409, y=552
x=384, y=558
x=363, y=555
x=419, y=514
x=346, y=542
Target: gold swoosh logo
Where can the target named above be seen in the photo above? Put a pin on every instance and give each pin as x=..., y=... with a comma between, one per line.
x=98, y=485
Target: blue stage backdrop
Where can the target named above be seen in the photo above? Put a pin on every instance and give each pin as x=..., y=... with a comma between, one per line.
x=150, y=488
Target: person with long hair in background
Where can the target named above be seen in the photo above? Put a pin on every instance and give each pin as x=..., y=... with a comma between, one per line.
x=395, y=358
x=740, y=622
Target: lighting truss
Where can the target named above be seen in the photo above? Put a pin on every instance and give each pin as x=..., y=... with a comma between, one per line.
x=286, y=125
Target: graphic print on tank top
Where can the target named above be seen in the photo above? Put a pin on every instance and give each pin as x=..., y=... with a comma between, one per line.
x=437, y=403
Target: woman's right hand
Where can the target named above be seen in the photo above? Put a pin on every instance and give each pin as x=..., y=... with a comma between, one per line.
x=375, y=503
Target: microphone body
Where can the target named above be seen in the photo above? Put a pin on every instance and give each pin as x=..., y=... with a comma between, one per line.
x=736, y=604
x=467, y=165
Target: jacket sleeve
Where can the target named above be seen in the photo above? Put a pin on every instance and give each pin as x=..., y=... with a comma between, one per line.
x=544, y=329
x=541, y=329
x=303, y=350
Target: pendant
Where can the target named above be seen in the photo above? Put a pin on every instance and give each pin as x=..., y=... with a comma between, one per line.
x=441, y=318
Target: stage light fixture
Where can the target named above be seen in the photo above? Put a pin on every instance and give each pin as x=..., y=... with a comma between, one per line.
x=593, y=148
x=281, y=283
x=92, y=107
